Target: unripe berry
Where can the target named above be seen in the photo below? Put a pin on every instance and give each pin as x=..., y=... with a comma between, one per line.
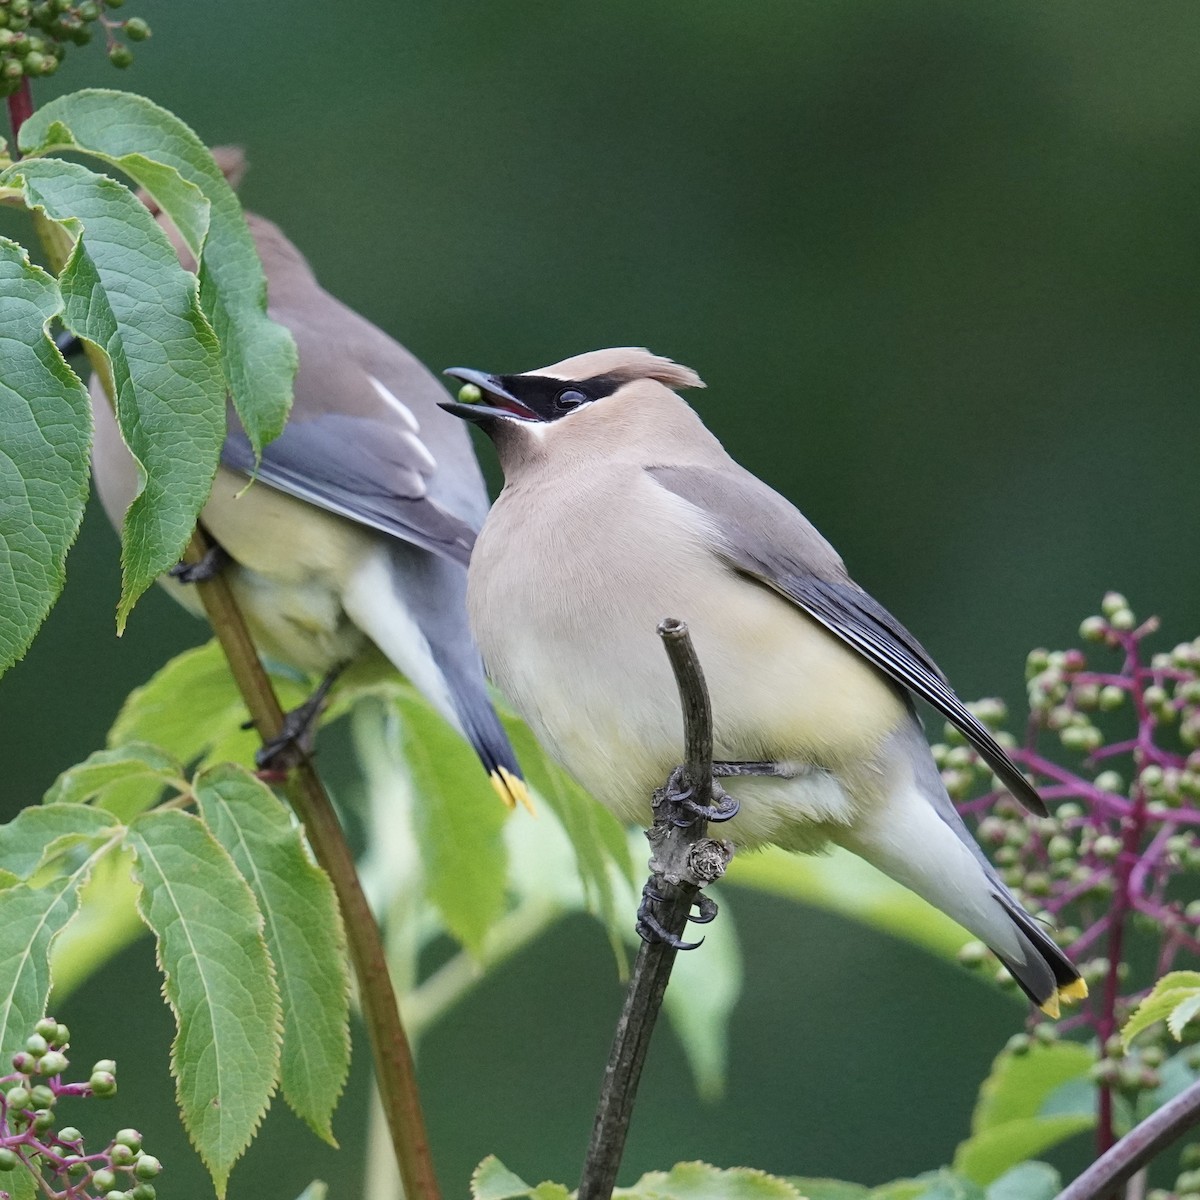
x=1111, y=697
x=76, y=1165
x=1107, y=847
x=143, y=1191
x=8, y=1160
x=1093, y=629
x=24, y=1062
x=42, y=1096
x=148, y=1167
x=89, y=10
x=69, y=1134
x=129, y=1138
x=103, y=1083
x=1060, y=847
x=43, y=1119
x=17, y=1098
x=973, y=954
x=47, y=1027
x=122, y=1155
x=1109, y=781
x=53, y=1062
x=1018, y=1044
x=120, y=56
x=1045, y=1033
x=1113, y=602
x=136, y=30
x=104, y=1180
x=105, y=1064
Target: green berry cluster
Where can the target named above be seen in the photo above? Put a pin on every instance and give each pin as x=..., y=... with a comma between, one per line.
x=1187, y=1185
x=29, y=1140
x=35, y=34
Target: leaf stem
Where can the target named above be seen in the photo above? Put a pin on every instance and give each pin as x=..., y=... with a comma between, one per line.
x=671, y=878
x=1137, y=1148
x=20, y=109
x=395, y=1074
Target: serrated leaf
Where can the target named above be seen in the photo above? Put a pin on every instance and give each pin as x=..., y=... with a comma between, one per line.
x=458, y=823
x=218, y=980
x=30, y=920
x=304, y=936
x=104, y=771
x=598, y=839
x=1027, y=1181
x=984, y=1157
x=124, y=290
x=700, y=1181
x=46, y=430
x=22, y=1184
x=192, y=709
x=828, y=1189
x=701, y=997
x=1019, y=1085
x=139, y=137
x=492, y=1180
x=1172, y=990
x=38, y=833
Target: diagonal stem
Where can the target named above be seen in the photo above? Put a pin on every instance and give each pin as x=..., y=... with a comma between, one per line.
x=395, y=1074
x=652, y=968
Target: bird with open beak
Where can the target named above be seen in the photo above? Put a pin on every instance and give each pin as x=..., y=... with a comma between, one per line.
x=620, y=508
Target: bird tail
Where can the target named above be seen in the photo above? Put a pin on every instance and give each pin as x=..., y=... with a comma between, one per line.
x=1045, y=974
x=482, y=728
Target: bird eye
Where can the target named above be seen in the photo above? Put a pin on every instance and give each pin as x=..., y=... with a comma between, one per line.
x=569, y=398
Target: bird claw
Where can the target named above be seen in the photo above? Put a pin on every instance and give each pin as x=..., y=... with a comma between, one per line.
x=650, y=929
x=215, y=559
x=679, y=794
x=294, y=741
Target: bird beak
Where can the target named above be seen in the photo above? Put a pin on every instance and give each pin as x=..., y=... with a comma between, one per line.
x=483, y=396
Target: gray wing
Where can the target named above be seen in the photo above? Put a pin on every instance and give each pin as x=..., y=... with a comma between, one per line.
x=360, y=469
x=763, y=536
x=366, y=439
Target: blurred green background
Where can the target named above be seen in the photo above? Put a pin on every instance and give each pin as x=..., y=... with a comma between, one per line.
x=938, y=265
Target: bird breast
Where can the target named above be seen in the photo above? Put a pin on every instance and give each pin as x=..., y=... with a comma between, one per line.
x=566, y=589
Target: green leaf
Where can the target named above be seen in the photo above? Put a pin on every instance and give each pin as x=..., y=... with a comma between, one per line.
x=597, y=837
x=1172, y=990
x=218, y=980
x=1020, y=1085
x=30, y=920
x=828, y=1189
x=102, y=773
x=933, y=1185
x=700, y=999
x=1028, y=1181
x=140, y=138
x=36, y=834
x=22, y=1185
x=699, y=1181
x=106, y=922
x=192, y=709
x=492, y=1180
x=843, y=883
x=458, y=824
x=985, y=1157
x=45, y=430
x=124, y=290
x=304, y=936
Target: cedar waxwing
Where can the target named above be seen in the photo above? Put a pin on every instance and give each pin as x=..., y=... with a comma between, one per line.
x=619, y=508
x=360, y=525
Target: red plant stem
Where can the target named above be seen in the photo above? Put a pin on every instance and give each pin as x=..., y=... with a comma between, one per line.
x=20, y=109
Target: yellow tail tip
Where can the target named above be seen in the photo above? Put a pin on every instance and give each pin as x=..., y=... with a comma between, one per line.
x=1074, y=991
x=511, y=789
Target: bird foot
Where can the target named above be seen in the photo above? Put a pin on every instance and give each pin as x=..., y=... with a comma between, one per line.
x=651, y=930
x=679, y=795
x=294, y=741
x=215, y=559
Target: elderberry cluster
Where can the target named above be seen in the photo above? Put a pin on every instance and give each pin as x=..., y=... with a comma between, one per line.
x=35, y=34
x=58, y=1159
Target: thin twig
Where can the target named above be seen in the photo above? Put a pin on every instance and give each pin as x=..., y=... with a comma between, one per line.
x=395, y=1074
x=675, y=877
x=1137, y=1148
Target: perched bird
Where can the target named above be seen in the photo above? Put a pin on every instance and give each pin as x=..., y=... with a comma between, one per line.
x=358, y=530
x=620, y=508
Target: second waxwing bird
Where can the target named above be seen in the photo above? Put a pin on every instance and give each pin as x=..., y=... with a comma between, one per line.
x=620, y=508
x=358, y=529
